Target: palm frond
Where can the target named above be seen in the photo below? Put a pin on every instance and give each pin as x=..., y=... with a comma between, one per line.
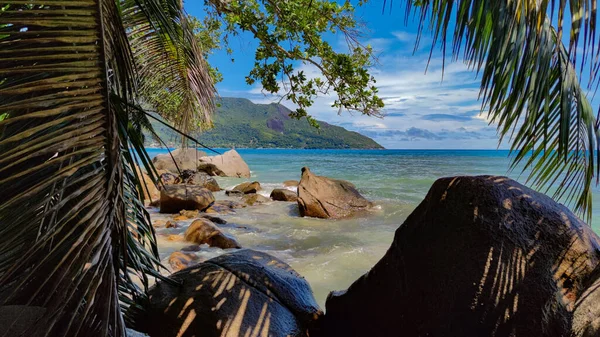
x=530, y=82
x=72, y=228
x=174, y=77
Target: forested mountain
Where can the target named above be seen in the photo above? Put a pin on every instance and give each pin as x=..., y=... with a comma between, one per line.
x=240, y=123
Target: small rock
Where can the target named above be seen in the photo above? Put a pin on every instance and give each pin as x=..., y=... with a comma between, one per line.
x=234, y=193
x=204, y=180
x=211, y=210
x=179, y=260
x=281, y=194
x=190, y=214
x=180, y=218
x=254, y=199
x=248, y=187
x=168, y=179
x=214, y=219
x=224, y=207
x=290, y=183
x=171, y=224
x=175, y=237
x=191, y=248
x=203, y=231
x=159, y=223
x=229, y=204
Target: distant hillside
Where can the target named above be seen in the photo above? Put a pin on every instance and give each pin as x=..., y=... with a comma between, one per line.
x=240, y=123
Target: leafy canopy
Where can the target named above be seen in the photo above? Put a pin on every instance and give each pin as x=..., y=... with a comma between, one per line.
x=290, y=33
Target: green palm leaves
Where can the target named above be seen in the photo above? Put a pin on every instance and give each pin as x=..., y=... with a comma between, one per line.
x=175, y=77
x=61, y=208
x=530, y=82
x=75, y=241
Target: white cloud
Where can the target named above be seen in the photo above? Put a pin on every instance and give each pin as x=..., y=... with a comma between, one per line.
x=405, y=36
x=448, y=109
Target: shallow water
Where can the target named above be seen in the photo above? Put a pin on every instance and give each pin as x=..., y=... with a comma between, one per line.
x=331, y=254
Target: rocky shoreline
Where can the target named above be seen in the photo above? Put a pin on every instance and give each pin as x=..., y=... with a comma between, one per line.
x=481, y=256
x=184, y=207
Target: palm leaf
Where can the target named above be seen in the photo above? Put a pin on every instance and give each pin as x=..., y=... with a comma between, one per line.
x=73, y=232
x=174, y=76
x=530, y=82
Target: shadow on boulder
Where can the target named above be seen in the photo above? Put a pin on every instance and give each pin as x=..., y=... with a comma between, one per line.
x=245, y=293
x=480, y=256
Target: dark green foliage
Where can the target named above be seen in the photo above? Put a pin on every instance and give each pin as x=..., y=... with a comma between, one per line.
x=240, y=123
x=290, y=33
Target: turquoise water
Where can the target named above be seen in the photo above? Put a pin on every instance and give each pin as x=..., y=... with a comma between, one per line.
x=333, y=253
x=387, y=175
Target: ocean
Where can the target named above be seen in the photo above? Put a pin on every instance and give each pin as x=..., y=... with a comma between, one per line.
x=331, y=254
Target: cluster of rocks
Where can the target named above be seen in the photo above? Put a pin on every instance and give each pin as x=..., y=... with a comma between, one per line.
x=189, y=167
x=186, y=182
x=317, y=196
x=229, y=164
x=480, y=256
x=204, y=229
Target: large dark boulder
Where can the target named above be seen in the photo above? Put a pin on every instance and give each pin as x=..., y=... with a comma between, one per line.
x=234, y=193
x=244, y=293
x=174, y=198
x=480, y=256
x=586, y=317
x=322, y=197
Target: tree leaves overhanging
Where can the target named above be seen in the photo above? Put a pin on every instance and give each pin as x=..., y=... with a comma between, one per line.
x=175, y=77
x=291, y=33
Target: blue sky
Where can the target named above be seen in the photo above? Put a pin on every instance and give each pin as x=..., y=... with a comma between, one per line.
x=423, y=112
